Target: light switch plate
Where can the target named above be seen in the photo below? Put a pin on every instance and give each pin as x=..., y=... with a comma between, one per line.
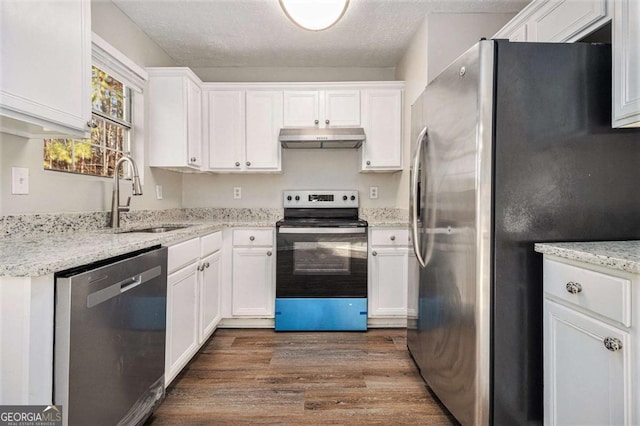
x=237, y=193
x=159, y=192
x=19, y=180
x=373, y=192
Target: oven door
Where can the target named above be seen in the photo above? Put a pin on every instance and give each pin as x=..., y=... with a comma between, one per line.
x=321, y=262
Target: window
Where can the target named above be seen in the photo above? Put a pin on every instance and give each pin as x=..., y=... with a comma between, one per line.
x=110, y=134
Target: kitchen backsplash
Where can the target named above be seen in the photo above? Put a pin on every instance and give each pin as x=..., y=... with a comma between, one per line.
x=27, y=225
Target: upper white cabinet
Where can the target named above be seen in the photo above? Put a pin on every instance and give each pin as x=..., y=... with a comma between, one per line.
x=322, y=108
x=626, y=63
x=45, y=84
x=175, y=118
x=557, y=20
x=590, y=344
x=243, y=130
x=382, y=123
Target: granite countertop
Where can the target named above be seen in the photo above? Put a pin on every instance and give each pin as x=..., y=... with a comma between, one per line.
x=622, y=255
x=47, y=253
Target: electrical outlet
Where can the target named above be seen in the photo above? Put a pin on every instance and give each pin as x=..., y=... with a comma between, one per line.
x=373, y=192
x=237, y=193
x=19, y=180
x=159, y=192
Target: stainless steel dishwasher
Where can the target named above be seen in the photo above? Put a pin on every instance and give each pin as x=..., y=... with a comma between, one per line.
x=110, y=339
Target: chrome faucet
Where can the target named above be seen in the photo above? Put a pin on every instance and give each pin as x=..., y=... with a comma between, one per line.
x=116, y=208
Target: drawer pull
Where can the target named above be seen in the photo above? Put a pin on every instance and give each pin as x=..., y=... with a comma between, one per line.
x=573, y=288
x=269, y=253
x=392, y=238
x=252, y=238
x=374, y=253
x=612, y=343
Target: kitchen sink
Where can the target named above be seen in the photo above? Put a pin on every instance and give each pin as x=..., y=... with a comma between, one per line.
x=158, y=229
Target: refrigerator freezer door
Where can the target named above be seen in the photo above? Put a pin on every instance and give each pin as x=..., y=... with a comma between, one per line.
x=453, y=324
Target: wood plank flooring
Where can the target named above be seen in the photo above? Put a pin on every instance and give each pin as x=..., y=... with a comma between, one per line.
x=263, y=377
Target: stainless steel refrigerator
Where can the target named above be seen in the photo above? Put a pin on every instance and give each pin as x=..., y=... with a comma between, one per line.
x=512, y=145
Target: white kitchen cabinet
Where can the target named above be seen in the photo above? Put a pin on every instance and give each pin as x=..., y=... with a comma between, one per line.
x=388, y=272
x=253, y=276
x=382, y=123
x=557, y=20
x=175, y=119
x=45, y=87
x=626, y=63
x=243, y=130
x=193, y=299
x=590, y=347
x=322, y=108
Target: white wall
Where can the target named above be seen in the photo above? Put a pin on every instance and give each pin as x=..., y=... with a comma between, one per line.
x=56, y=192
x=440, y=39
x=254, y=74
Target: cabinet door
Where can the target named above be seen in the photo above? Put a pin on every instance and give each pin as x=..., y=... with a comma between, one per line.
x=46, y=66
x=388, y=292
x=585, y=383
x=264, y=120
x=182, y=320
x=301, y=108
x=382, y=122
x=194, y=126
x=209, y=295
x=567, y=20
x=253, y=291
x=226, y=130
x=341, y=108
x=626, y=63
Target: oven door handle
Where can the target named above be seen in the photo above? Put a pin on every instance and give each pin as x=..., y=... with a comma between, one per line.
x=283, y=230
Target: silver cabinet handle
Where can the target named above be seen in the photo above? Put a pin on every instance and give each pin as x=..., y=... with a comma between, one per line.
x=200, y=268
x=251, y=238
x=206, y=265
x=269, y=253
x=248, y=163
x=573, y=288
x=612, y=343
x=316, y=121
x=92, y=123
x=374, y=253
x=368, y=163
x=193, y=159
x=392, y=238
x=326, y=121
x=237, y=164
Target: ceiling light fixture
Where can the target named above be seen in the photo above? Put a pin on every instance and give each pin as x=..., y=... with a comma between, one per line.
x=314, y=15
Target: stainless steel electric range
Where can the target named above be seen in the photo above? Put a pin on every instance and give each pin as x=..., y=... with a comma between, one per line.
x=321, y=266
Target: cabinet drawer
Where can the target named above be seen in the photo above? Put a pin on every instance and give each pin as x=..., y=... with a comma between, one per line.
x=182, y=254
x=390, y=237
x=600, y=293
x=253, y=237
x=210, y=243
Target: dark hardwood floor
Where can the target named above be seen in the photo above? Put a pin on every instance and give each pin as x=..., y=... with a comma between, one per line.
x=263, y=377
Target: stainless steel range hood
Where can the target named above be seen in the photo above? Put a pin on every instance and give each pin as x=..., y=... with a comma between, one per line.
x=336, y=137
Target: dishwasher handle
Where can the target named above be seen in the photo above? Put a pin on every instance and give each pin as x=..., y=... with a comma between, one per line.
x=118, y=288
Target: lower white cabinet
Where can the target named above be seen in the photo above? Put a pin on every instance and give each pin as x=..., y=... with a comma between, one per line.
x=193, y=299
x=388, y=272
x=253, y=273
x=591, y=358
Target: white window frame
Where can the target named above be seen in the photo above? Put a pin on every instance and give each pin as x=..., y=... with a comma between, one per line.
x=116, y=64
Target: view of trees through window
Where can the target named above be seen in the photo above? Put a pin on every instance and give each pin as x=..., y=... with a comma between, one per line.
x=110, y=102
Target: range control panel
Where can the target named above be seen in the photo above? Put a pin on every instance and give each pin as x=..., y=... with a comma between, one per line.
x=320, y=199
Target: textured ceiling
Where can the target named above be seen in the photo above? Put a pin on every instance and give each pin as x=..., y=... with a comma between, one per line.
x=256, y=33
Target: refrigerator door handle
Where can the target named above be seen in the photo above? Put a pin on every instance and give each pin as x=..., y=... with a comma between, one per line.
x=414, y=194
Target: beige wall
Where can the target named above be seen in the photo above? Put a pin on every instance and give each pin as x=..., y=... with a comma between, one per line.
x=55, y=192
x=440, y=40
x=253, y=74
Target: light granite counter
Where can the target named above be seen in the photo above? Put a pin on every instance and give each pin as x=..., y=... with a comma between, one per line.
x=622, y=255
x=380, y=217
x=43, y=254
